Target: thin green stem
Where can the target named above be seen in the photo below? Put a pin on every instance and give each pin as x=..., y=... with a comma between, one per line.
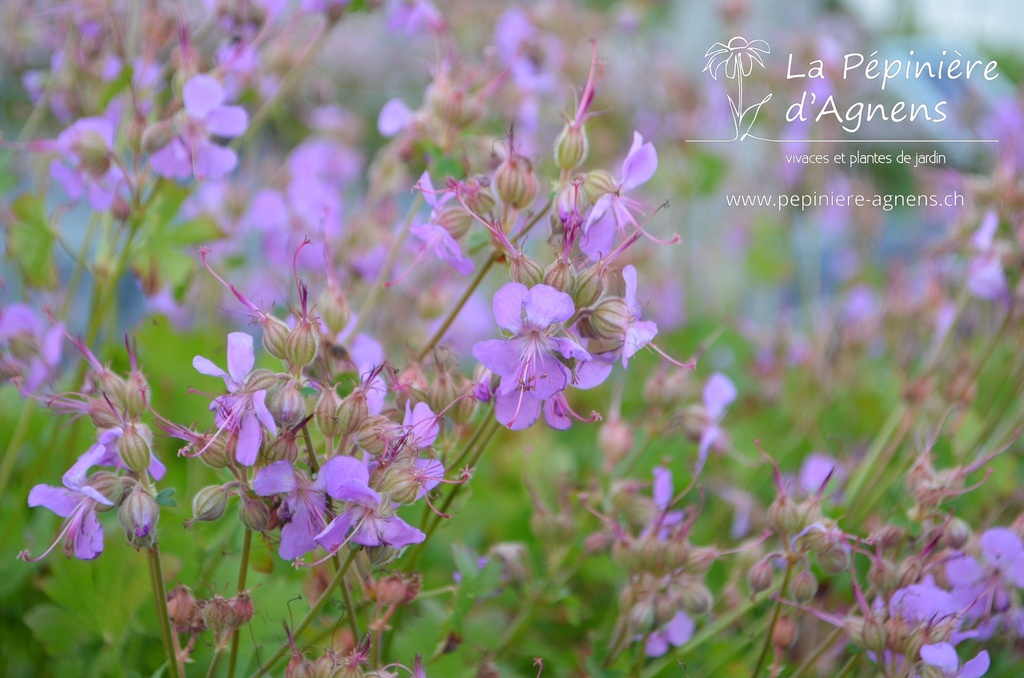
x=370, y=302
x=350, y=608
x=457, y=308
x=211, y=671
x=17, y=439
x=243, y=573
x=775, y=619
x=849, y=666
x=310, y=616
x=156, y=574
x=822, y=649
x=314, y=465
x=533, y=221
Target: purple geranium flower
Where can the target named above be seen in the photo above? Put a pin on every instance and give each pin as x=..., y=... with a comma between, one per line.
x=77, y=502
x=943, y=657
x=434, y=236
x=981, y=588
x=302, y=510
x=241, y=411
x=85, y=166
x=638, y=333
x=675, y=633
x=371, y=517
x=192, y=152
x=985, y=276
x=639, y=166
x=719, y=392
x=410, y=16
x=530, y=362
x=33, y=352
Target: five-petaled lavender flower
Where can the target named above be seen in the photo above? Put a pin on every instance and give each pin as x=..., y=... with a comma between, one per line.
x=434, y=236
x=77, y=502
x=719, y=392
x=613, y=210
x=303, y=509
x=86, y=165
x=531, y=363
x=943, y=657
x=191, y=152
x=370, y=516
x=983, y=588
x=241, y=411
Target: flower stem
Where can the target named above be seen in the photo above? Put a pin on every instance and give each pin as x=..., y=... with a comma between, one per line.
x=156, y=575
x=822, y=649
x=310, y=616
x=775, y=618
x=11, y=455
x=454, y=312
x=243, y=571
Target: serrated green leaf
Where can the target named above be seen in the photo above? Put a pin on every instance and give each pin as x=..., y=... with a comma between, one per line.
x=30, y=242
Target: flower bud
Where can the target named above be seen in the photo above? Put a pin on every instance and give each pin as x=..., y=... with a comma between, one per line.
x=478, y=194
x=254, y=514
x=157, y=135
x=110, y=486
x=286, y=404
x=608, y=320
x=219, y=452
x=571, y=147
x=597, y=183
x=135, y=390
x=181, y=606
x=552, y=529
x=134, y=447
x=590, y=285
x=785, y=632
x=561, y=275
x=956, y=534
x=664, y=610
x=93, y=153
x=219, y=615
x=242, y=606
x=275, y=336
x=873, y=635
x=334, y=309
x=284, y=447
x=454, y=219
x=262, y=379
x=834, y=559
x=375, y=433
x=695, y=598
x=100, y=413
x=138, y=516
x=120, y=209
x=882, y=575
x=209, y=504
x=525, y=270
x=325, y=414
x=301, y=345
x=677, y=554
x=625, y=556
x=514, y=181
x=352, y=412
x=785, y=517
x=760, y=576
x=614, y=440
x=640, y=618
x=400, y=481
x=803, y=586
x=701, y=559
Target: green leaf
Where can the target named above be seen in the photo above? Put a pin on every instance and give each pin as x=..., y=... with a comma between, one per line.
x=116, y=86
x=57, y=629
x=30, y=242
x=165, y=497
x=477, y=240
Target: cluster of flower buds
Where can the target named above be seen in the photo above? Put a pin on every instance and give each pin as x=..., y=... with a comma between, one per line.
x=219, y=615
